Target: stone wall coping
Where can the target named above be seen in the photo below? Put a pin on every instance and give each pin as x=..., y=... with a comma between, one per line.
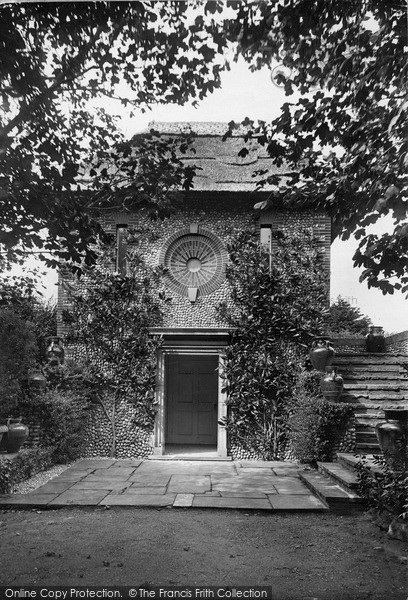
x=397, y=337
x=360, y=341
x=201, y=128
x=190, y=331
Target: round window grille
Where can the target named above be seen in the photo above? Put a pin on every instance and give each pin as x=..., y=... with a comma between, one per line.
x=194, y=261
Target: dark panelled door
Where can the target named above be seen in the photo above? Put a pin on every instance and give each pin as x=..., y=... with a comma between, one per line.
x=192, y=399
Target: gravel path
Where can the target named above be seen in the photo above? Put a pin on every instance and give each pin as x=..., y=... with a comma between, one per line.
x=37, y=480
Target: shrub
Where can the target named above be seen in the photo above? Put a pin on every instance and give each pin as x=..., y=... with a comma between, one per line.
x=315, y=424
x=63, y=416
x=384, y=489
x=19, y=295
x=24, y=465
x=344, y=320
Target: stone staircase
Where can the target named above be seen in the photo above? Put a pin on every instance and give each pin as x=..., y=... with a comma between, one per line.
x=374, y=383
x=335, y=483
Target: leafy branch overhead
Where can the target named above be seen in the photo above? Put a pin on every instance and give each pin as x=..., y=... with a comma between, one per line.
x=58, y=63
x=342, y=131
x=345, y=134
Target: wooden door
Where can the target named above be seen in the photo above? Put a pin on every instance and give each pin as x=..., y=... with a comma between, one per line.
x=192, y=399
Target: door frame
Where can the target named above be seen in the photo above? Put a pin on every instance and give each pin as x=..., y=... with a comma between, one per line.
x=196, y=342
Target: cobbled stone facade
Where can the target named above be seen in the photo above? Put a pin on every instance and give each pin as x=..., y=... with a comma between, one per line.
x=220, y=205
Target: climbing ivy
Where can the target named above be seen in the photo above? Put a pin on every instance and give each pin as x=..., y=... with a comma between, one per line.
x=109, y=319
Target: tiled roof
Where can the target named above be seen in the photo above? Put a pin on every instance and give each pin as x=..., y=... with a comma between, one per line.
x=220, y=168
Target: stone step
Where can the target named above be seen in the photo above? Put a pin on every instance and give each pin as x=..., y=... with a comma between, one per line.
x=375, y=386
x=358, y=363
x=370, y=359
x=333, y=496
x=347, y=459
x=385, y=396
x=351, y=461
x=340, y=474
x=368, y=413
x=367, y=421
x=370, y=406
x=363, y=437
x=375, y=375
x=368, y=448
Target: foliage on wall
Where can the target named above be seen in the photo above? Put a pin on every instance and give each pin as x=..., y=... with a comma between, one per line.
x=108, y=320
x=279, y=304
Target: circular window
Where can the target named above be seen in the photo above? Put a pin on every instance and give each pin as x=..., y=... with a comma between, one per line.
x=194, y=261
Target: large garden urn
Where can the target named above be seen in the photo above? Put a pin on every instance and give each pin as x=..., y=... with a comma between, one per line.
x=16, y=435
x=375, y=341
x=37, y=381
x=391, y=437
x=321, y=355
x=3, y=431
x=331, y=384
x=392, y=434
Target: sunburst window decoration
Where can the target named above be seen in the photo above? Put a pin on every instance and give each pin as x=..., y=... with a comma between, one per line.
x=195, y=261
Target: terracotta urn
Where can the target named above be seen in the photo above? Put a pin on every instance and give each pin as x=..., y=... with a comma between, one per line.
x=390, y=436
x=321, y=355
x=331, y=384
x=375, y=341
x=16, y=435
x=3, y=431
x=37, y=381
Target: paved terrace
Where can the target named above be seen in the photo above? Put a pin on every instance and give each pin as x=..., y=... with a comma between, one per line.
x=273, y=486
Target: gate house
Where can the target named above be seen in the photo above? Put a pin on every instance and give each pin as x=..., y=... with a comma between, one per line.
x=191, y=244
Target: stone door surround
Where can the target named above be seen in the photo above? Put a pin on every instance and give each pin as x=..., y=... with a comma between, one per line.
x=188, y=341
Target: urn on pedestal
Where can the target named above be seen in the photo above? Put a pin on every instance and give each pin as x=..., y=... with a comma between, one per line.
x=375, y=341
x=331, y=384
x=321, y=354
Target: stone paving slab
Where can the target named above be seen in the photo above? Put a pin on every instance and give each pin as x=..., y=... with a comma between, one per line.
x=251, y=471
x=296, y=502
x=30, y=500
x=54, y=487
x=72, y=477
x=146, y=490
x=101, y=485
x=114, y=472
x=242, y=494
x=285, y=471
x=268, y=485
x=183, y=500
x=159, y=481
x=107, y=475
x=138, y=500
x=94, y=463
x=79, y=498
x=188, y=488
x=247, y=503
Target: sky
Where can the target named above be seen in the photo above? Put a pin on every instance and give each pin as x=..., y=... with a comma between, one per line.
x=246, y=94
